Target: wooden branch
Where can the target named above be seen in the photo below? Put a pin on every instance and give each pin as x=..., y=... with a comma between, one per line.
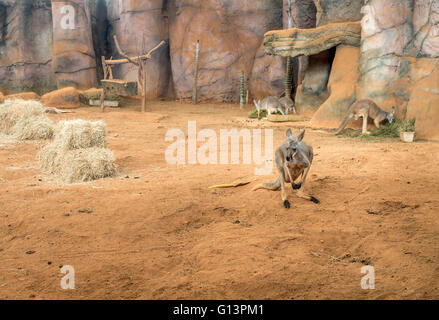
x=122, y=53
x=135, y=60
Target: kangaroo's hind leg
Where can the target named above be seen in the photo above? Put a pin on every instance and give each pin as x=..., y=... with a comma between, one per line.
x=364, y=130
x=282, y=179
x=299, y=187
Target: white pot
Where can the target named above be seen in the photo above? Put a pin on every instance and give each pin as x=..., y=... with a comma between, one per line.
x=407, y=136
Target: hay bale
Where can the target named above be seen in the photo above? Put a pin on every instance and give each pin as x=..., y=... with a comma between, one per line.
x=66, y=98
x=77, y=134
x=36, y=128
x=77, y=152
x=25, y=120
x=78, y=165
x=23, y=96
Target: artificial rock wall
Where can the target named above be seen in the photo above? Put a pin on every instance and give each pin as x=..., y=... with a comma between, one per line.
x=230, y=34
x=44, y=46
x=26, y=46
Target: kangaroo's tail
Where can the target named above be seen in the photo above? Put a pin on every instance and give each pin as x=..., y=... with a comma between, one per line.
x=344, y=123
x=269, y=186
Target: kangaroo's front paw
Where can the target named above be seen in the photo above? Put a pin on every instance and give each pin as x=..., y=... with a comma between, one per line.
x=296, y=186
x=315, y=200
x=287, y=204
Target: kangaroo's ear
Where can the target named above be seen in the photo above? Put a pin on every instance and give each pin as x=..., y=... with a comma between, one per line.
x=300, y=136
x=289, y=134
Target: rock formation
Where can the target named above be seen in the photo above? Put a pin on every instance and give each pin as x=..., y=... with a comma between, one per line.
x=230, y=34
x=26, y=46
x=341, y=50
x=74, y=60
x=399, y=59
x=396, y=64
x=297, y=42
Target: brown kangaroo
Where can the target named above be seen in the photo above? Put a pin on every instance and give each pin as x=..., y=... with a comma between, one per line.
x=293, y=160
x=367, y=109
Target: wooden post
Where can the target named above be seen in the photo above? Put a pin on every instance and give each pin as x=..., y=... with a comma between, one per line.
x=242, y=91
x=289, y=75
x=104, y=65
x=102, y=100
x=195, y=92
x=140, y=62
x=144, y=87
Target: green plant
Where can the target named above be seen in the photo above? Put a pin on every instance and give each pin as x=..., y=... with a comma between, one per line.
x=390, y=130
x=407, y=126
x=264, y=113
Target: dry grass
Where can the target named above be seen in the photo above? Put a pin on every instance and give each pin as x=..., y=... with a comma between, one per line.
x=78, y=165
x=78, y=134
x=77, y=152
x=25, y=120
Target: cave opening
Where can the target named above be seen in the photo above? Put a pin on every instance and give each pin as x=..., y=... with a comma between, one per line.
x=101, y=28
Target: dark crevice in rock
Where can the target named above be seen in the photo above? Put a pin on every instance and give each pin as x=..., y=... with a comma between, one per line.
x=100, y=33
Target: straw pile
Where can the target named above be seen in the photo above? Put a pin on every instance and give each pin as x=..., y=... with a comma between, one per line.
x=77, y=152
x=25, y=120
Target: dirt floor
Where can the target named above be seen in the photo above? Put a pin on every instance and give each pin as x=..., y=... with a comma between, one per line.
x=157, y=232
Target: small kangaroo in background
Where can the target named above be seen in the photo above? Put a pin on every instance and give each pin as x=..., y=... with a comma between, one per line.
x=293, y=160
x=367, y=109
x=271, y=104
x=288, y=104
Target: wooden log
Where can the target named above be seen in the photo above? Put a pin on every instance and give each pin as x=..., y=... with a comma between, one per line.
x=135, y=60
x=305, y=42
x=104, y=66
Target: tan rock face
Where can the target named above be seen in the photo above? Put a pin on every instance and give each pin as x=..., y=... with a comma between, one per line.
x=230, y=34
x=74, y=61
x=26, y=46
x=424, y=99
x=341, y=85
x=138, y=25
x=330, y=11
x=268, y=75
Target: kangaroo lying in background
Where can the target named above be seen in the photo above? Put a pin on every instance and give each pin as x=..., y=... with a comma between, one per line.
x=367, y=109
x=288, y=104
x=271, y=104
x=293, y=160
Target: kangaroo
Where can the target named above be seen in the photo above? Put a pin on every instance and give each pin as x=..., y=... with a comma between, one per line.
x=367, y=109
x=293, y=160
x=288, y=104
x=271, y=104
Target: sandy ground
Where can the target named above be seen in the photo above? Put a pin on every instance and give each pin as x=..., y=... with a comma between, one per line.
x=157, y=231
